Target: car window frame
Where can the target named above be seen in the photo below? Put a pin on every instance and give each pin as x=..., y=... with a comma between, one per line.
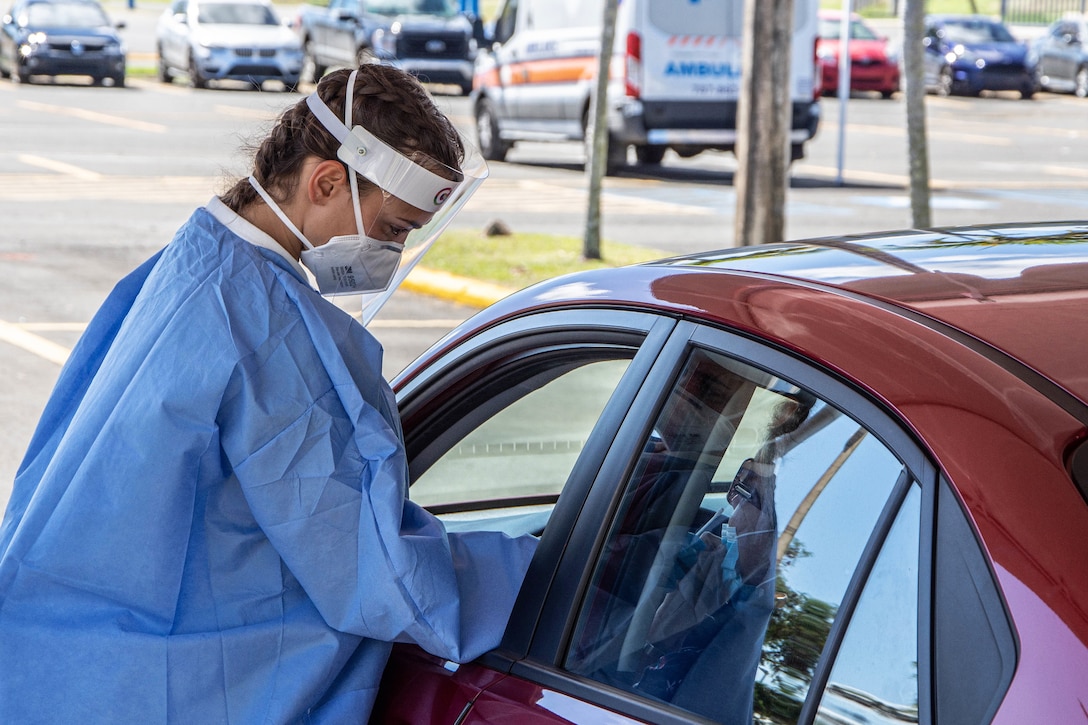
x=443, y=395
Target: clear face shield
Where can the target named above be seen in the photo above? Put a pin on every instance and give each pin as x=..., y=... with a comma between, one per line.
x=441, y=195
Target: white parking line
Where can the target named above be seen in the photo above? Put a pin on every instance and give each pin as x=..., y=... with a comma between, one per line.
x=93, y=116
x=35, y=344
x=60, y=167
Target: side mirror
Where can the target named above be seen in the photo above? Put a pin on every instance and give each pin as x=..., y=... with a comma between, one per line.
x=120, y=25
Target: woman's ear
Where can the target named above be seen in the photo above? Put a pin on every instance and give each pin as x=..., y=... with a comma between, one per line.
x=326, y=180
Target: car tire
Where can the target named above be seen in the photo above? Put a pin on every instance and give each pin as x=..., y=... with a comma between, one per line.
x=311, y=69
x=1080, y=82
x=291, y=86
x=944, y=82
x=466, y=88
x=196, y=78
x=650, y=154
x=1027, y=91
x=164, y=70
x=487, y=132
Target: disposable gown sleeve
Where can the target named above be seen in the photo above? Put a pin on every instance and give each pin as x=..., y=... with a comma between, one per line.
x=317, y=451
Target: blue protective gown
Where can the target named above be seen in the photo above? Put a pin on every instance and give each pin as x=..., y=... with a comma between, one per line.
x=211, y=522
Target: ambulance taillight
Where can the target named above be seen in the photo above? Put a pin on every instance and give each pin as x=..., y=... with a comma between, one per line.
x=632, y=68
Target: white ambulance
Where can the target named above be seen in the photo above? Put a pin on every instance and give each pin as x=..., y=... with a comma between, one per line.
x=674, y=80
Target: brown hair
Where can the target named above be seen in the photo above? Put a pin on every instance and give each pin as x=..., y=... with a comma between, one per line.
x=387, y=102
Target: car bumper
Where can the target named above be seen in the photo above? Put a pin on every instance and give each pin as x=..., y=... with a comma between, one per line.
x=56, y=63
x=874, y=77
x=253, y=66
x=695, y=125
x=992, y=78
x=458, y=72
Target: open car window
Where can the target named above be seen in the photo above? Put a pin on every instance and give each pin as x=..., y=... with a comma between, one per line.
x=496, y=429
x=507, y=472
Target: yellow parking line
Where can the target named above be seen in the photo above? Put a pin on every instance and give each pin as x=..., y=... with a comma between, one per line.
x=46, y=349
x=93, y=116
x=60, y=167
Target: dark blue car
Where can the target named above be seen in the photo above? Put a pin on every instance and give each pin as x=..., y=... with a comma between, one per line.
x=968, y=54
x=61, y=37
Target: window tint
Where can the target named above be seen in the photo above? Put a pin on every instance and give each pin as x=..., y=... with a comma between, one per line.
x=524, y=451
x=733, y=546
x=875, y=676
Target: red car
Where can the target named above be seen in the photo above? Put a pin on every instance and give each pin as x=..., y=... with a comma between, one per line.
x=873, y=67
x=831, y=481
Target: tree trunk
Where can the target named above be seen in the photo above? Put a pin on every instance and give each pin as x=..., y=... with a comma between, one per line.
x=917, y=146
x=598, y=125
x=763, y=122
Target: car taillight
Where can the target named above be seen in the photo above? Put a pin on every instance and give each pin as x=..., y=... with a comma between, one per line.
x=632, y=67
x=817, y=74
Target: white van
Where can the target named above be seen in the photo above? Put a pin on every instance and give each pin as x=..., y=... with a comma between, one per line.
x=674, y=79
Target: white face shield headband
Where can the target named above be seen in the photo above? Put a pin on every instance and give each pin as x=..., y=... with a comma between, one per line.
x=359, y=264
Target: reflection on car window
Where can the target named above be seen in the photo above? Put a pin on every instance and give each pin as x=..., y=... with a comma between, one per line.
x=733, y=546
x=875, y=677
x=65, y=15
x=235, y=14
x=524, y=451
x=976, y=31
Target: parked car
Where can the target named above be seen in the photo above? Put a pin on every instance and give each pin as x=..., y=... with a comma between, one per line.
x=61, y=37
x=873, y=66
x=840, y=480
x=213, y=40
x=968, y=54
x=431, y=39
x=1062, y=55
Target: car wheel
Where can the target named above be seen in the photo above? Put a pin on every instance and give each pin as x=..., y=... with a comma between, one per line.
x=311, y=69
x=164, y=69
x=944, y=82
x=119, y=81
x=650, y=154
x=196, y=78
x=466, y=88
x=487, y=132
x=1080, y=87
x=290, y=86
x=1027, y=91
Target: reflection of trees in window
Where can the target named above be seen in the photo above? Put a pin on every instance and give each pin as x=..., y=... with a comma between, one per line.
x=795, y=637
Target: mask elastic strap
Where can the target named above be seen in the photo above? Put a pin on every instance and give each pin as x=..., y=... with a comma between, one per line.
x=279, y=212
x=352, y=176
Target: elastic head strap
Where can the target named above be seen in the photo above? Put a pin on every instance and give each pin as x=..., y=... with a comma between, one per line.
x=382, y=164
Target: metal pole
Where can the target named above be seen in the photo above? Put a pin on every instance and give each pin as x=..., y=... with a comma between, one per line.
x=844, y=82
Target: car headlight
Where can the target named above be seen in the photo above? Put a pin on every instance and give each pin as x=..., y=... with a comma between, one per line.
x=384, y=41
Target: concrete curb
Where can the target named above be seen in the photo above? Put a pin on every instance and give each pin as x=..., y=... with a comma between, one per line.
x=450, y=287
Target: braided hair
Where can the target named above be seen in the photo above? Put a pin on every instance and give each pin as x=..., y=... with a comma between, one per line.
x=388, y=103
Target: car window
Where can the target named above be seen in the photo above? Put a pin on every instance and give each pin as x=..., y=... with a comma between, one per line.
x=734, y=545
x=521, y=453
x=976, y=31
x=235, y=14
x=66, y=15
x=875, y=675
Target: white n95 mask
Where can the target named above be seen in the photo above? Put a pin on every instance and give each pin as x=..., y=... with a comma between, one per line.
x=350, y=265
x=347, y=264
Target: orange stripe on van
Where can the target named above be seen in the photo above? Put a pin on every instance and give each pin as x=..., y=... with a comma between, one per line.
x=697, y=40
x=553, y=70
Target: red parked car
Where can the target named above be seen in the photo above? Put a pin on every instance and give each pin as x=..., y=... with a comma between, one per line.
x=873, y=67
x=830, y=481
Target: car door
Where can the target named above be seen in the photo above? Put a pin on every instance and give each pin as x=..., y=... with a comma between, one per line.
x=505, y=432
x=174, y=35
x=759, y=541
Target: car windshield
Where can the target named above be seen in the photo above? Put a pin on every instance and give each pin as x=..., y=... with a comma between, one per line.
x=65, y=15
x=236, y=14
x=444, y=8
x=830, y=27
x=977, y=31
